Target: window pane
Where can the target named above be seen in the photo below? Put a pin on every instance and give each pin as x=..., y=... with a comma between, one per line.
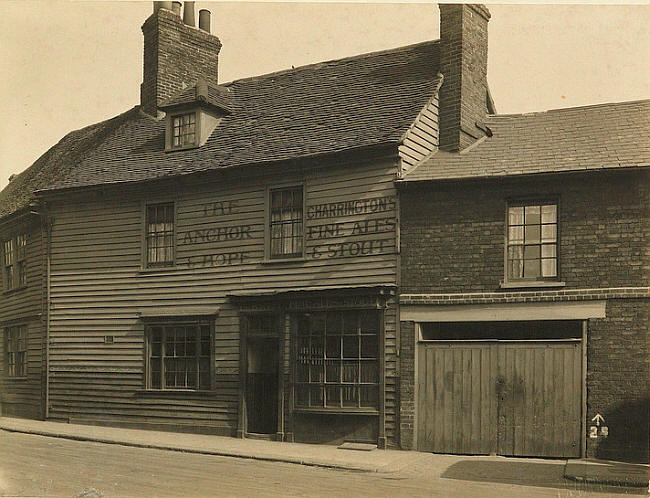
x=204, y=373
x=316, y=396
x=368, y=396
x=549, y=268
x=333, y=394
x=532, y=234
x=549, y=213
x=548, y=251
x=316, y=371
x=351, y=346
x=516, y=268
x=302, y=396
x=369, y=371
x=333, y=344
x=350, y=395
x=548, y=233
x=369, y=321
x=155, y=373
x=369, y=346
x=350, y=372
x=516, y=215
x=332, y=371
x=531, y=268
x=532, y=215
x=532, y=252
x=318, y=324
x=516, y=235
x=333, y=323
x=351, y=322
x=516, y=252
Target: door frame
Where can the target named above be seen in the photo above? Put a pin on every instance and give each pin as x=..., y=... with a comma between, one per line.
x=416, y=390
x=278, y=335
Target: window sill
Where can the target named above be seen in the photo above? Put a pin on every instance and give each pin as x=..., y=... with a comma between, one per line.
x=14, y=290
x=174, y=392
x=157, y=269
x=268, y=261
x=527, y=284
x=185, y=147
x=338, y=411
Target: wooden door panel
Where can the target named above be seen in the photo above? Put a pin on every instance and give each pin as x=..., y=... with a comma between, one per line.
x=539, y=399
x=456, y=397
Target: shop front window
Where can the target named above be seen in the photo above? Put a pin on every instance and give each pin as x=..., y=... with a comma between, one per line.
x=337, y=360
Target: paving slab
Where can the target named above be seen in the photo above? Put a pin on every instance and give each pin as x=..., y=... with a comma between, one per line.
x=608, y=472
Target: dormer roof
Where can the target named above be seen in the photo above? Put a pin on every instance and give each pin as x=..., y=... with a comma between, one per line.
x=201, y=94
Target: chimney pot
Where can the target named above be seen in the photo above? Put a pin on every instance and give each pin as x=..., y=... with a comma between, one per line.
x=204, y=20
x=176, y=7
x=188, y=14
x=162, y=5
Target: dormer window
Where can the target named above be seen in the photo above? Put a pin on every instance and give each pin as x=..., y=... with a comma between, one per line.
x=184, y=130
x=193, y=114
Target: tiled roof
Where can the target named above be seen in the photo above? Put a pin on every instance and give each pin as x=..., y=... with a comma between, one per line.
x=323, y=108
x=57, y=162
x=573, y=139
x=217, y=96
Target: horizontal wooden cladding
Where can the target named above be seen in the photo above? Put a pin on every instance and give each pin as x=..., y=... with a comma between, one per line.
x=98, y=287
x=423, y=136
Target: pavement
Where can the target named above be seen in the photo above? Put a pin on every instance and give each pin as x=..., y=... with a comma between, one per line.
x=376, y=460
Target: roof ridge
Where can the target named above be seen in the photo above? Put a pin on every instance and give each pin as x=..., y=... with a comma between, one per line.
x=560, y=109
x=330, y=62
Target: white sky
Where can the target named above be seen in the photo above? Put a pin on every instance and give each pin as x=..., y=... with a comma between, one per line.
x=65, y=65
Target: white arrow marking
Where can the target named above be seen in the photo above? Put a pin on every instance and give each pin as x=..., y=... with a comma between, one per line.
x=598, y=419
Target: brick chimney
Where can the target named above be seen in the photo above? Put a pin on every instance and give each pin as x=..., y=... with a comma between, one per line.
x=176, y=55
x=463, y=63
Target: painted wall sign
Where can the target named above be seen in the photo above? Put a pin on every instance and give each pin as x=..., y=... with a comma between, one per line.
x=218, y=234
x=351, y=208
x=345, y=249
x=219, y=208
x=219, y=259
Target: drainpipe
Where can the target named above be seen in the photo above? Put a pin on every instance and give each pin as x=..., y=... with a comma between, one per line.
x=47, y=226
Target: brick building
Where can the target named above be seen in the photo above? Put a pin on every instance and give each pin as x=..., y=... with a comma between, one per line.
x=524, y=259
x=332, y=253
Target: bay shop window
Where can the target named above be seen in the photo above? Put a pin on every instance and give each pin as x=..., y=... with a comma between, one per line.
x=337, y=360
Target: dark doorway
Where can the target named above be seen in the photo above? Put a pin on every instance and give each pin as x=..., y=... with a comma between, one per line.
x=262, y=385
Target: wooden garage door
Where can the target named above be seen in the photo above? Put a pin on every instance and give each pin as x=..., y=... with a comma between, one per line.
x=518, y=398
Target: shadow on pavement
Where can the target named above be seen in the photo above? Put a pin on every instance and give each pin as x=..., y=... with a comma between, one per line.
x=539, y=474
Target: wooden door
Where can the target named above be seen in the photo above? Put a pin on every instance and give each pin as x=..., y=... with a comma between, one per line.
x=539, y=393
x=262, y=385
x=457, y=402
x=511, y=398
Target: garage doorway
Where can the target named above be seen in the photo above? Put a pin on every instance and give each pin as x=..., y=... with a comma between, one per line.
x=506, y=388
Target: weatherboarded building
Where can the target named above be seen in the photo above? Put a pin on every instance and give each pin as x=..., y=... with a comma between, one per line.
x=223, y=257
x=356, y=250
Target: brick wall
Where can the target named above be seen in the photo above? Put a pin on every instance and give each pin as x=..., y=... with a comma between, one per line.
x=407, y=386
x=452, y=242
x=618, y=369
x=463, y=63
x=452, y=235
x=175, y=57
